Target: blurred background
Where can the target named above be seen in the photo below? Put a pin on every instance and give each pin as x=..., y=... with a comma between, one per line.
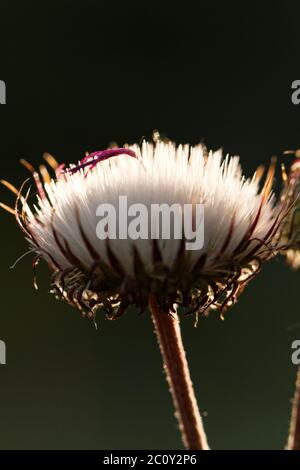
x=80, y=74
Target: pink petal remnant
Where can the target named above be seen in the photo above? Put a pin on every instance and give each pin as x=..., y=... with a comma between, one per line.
x=94, y=158
x=60, y=170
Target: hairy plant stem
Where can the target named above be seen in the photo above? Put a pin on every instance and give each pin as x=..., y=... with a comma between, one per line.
x=294, y=435
x=169, y=338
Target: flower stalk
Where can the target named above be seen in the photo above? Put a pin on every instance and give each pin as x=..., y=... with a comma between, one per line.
x=294, y=435
x=169, y=338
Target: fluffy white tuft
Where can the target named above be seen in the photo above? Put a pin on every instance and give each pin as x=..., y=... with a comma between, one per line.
x=162, y=173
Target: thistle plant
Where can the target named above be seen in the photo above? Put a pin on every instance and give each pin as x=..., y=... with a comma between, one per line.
x=290, y=238
x=244, y=226
x=291, y=231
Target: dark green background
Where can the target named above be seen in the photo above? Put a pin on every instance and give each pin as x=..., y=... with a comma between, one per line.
x=78, y=75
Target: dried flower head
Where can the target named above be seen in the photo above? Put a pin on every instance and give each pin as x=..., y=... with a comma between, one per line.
x=242, y=228
x=290, y=238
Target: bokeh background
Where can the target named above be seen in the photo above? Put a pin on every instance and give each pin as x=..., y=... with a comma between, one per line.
x=80, y=74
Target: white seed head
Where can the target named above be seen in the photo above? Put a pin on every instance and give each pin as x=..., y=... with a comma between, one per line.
x=241, y=225
x=167, y=175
